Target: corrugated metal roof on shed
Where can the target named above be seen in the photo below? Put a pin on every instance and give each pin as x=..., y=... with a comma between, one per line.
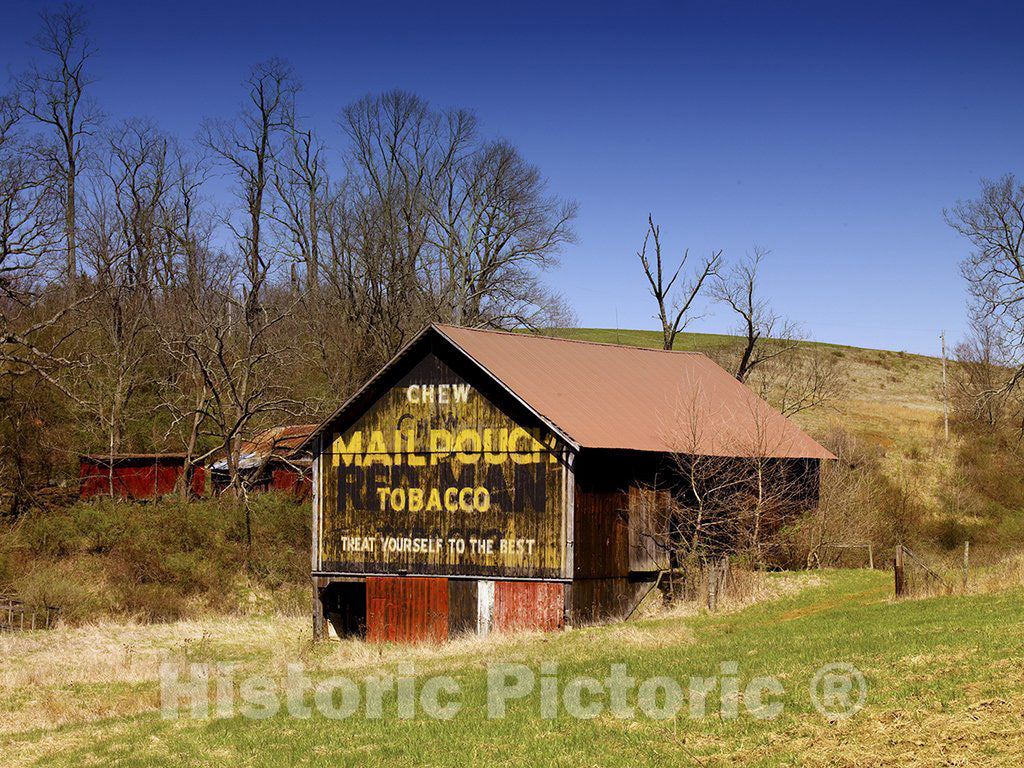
x=279, y=441
x=618, y=397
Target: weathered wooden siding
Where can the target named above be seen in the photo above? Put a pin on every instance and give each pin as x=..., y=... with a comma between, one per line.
x=436, y=478
x=597, y=600
x=463, y=603
x=406, y=609
x=526, y=605
x=602, y=534
x=649, y=512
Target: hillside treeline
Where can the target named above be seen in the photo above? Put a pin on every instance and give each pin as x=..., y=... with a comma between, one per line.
x=170, y=293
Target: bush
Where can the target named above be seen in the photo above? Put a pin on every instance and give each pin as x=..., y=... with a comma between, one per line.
x=77, y=588
x=162, y=560
x=153, y=603
x=100, y=525
x=50, y=534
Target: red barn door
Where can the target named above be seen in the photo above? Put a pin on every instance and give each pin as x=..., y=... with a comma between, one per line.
x=406, y=609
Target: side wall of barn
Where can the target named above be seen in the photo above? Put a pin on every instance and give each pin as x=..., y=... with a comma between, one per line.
x=623, y=502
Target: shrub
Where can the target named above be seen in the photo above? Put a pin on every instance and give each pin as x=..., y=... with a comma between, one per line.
x=50, y=534
x=161, y=560
x=77, y=588
x=101, y=525
x=153, y=603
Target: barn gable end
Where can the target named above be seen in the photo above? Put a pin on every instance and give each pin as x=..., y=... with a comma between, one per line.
x=438, y=472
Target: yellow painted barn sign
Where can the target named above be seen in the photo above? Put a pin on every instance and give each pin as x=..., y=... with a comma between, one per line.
x=435, y=478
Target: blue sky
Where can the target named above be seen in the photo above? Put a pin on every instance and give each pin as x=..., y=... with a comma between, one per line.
x=832, y=134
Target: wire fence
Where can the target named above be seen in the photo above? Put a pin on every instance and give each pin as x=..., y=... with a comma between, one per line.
x=845, y=555
x=915, y=578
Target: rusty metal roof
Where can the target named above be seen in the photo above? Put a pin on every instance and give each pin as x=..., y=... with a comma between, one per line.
x=596, y=395
x=279, y=441
x=628, y=398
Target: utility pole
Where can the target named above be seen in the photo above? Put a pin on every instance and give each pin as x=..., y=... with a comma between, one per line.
x=945, y=398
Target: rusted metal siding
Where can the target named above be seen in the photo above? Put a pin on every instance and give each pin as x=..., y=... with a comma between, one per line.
x=288, y=480
x=134, y=477
x=435, y=477
x=525, y=605
x=406, y=609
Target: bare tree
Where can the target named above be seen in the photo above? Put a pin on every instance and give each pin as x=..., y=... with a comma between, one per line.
x=994, y=224
x=234, y=346
x=393, y=139
x=33, y=325
x=185, y=219
x=122, y=240
x=28, y=228
x=700, y=525
x=301, y=183
x=496, y=229
x=848, y=497
x=246, y=147
x=766, y=335
x=715, y=497
x=773, y=356
x=434, y=223
x=980, y=372
x=673, y=307
x=195, y=274
x=810, y=377
x=54, y=94
x=139, y=174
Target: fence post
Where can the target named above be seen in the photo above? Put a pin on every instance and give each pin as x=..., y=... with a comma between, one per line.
x=967, y=555
x=712, y=582
x=898, y=570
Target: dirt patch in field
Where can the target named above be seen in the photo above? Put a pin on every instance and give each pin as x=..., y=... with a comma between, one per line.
x=878, y=593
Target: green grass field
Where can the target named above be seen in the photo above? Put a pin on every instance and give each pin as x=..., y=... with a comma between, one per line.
x=945, y=686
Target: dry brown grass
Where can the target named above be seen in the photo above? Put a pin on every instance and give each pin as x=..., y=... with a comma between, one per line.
x=75, y=674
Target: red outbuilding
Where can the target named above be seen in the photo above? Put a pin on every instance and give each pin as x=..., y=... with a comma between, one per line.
x=136, y=475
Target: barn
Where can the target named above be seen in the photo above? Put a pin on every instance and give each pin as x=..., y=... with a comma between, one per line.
x=133, y=476
x=485, y=480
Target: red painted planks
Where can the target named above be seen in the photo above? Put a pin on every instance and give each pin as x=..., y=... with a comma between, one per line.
x=520, y=605
x=406, y=609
